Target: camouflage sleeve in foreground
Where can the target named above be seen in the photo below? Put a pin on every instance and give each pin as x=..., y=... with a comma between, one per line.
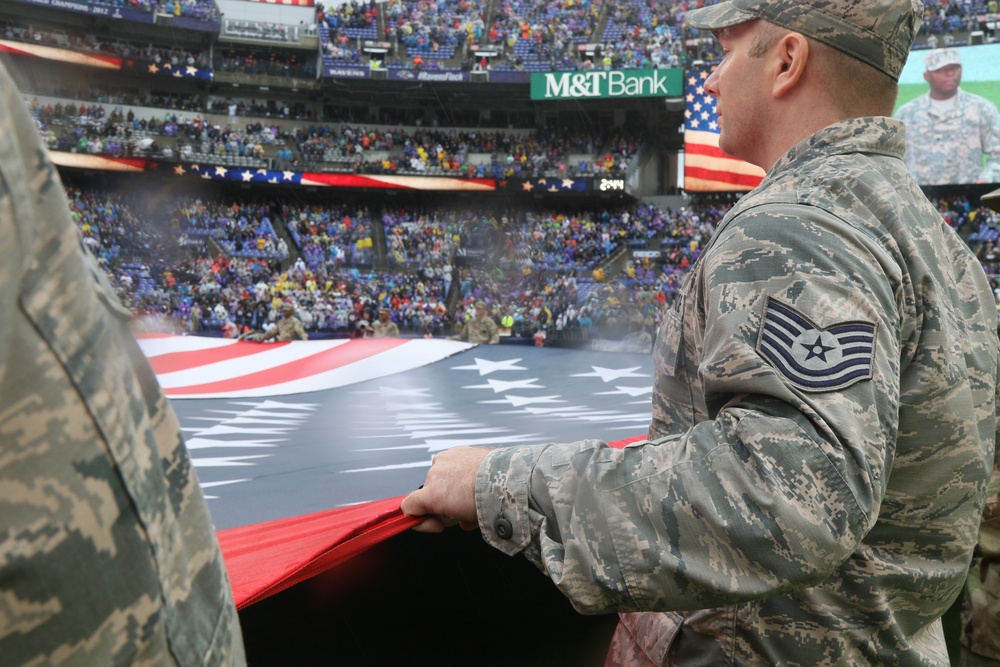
x=981, y=606
x=107, y=553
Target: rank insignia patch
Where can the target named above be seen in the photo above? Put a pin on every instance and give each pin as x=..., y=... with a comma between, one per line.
x=815, y=359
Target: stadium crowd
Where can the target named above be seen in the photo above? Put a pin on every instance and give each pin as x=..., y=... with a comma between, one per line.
x=525, y=35
x=551, y=276
x=21, y=31
x=265, y=62
x=173, y=282
x=95, y=130
x=501, y=154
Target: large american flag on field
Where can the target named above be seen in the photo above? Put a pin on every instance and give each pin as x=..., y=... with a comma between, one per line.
x=706, y=167
x=303, y=449
x=312, y=425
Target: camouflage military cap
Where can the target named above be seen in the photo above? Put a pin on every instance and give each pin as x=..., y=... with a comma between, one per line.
x=480, y=303
x=992, y=199
x=878, y=32
x=939, y=58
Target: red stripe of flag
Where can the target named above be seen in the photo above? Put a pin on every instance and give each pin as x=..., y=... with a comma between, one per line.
x=714, y=170
x=346, y=181
x=266, y=558
x=315, y=364
x=722, y=175
x=706, y=149
x=63, y=55
x=172, y=362
x=396, y=182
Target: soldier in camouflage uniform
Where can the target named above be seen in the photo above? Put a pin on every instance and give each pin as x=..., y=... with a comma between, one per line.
x=289, y=327
x=481, y=329
x=384, y=327
x=107, y=553
x=949, y=130
x=981, y=605
x=824, y=408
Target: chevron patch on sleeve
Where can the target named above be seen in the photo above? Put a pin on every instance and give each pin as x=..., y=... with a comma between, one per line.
x=815, y=359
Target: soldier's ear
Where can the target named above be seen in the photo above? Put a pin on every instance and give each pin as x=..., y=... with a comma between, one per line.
x=791, y=56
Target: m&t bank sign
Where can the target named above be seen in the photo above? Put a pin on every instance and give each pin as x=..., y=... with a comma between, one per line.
x=603, y=84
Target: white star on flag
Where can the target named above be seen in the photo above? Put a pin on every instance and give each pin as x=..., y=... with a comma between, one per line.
x=521, y=401
x=609, y=374
x=499, y=386
x=206, y=485
x=485, y=366
x=628, y=391
x=206, y=443
x=225, y=461
x=392, y=392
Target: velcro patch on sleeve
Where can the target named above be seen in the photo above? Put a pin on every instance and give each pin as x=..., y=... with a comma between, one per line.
x=812, y=358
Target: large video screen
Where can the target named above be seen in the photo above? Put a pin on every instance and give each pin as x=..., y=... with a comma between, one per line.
x=948, y=98
x=953, y=136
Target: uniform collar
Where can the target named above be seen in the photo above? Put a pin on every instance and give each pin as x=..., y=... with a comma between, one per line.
x=879, y=135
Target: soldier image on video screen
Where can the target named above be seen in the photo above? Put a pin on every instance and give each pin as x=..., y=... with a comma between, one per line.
x=949, y=131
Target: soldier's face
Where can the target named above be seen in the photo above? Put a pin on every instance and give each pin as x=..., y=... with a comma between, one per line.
x=944, y=82
x=737, y=86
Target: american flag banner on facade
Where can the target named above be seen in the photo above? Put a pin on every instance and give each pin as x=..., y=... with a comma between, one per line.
x=706, y=167
x=552, y=185
x=168, y=69
x=62, y=55
x=103, y=61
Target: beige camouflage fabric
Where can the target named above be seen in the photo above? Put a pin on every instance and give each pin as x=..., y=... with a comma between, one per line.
x=939, y=58
x=387, y=329
x=290, y=328
x=107, y=553
x=878, y=32
x=961, y=145
x=824, y=417
x=479, y=330
x=981, y=605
